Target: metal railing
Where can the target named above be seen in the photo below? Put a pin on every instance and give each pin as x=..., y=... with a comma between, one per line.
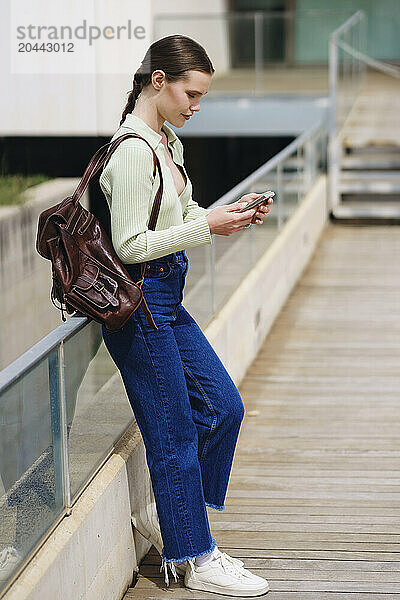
x=48, y=437
x=348, y=65
x=346, y=77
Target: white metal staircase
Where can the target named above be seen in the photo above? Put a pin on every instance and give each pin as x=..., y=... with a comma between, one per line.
x=364, y=147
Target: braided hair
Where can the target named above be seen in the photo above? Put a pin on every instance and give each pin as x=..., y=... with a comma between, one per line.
x=175, y=55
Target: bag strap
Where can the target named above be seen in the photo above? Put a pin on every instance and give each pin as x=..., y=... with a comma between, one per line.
x=102, y=156
x=97, y=161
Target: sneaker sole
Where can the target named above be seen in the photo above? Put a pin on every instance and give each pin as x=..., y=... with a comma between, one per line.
x=217, y=589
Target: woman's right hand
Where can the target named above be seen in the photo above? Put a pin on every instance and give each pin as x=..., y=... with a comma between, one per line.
x=225, y=220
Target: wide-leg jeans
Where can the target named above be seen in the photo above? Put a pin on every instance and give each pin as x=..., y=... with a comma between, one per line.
x=186, y=405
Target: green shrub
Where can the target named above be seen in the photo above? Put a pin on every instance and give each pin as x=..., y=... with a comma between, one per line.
x=12, y=186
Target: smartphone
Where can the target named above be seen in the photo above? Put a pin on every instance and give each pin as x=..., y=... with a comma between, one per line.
x=257, y=201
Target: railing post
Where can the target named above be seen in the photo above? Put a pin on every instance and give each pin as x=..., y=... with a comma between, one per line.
x=333, y=170
x=258, y=48
x=212, y=276
x=363, y=43
x=64, y=431
x=333, y=56
x=308, y=163
x=279, y=192
x=58, y=411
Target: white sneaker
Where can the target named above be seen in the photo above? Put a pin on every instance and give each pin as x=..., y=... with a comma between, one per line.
x=147, y=524
x=225, y=575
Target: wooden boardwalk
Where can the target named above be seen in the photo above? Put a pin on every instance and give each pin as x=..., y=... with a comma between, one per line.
x=314, y=498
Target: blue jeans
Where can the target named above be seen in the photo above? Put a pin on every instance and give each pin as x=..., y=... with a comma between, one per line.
x=186, y=405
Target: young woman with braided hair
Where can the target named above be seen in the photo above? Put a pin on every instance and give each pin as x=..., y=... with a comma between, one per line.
x=187, y=407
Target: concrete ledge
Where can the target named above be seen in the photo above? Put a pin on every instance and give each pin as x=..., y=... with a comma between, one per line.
x=93, y=553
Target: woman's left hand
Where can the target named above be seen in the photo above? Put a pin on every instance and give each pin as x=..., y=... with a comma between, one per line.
x=262, y=209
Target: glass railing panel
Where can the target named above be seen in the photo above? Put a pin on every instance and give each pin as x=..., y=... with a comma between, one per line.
x=96, y=416
x=233, y=260
x=198, y=291
x=31, y=488
x=290, y=182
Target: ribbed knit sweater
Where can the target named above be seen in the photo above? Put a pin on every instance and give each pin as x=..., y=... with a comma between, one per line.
x=129, y=186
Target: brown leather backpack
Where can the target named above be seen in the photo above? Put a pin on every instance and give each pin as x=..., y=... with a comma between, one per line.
x=88, y=275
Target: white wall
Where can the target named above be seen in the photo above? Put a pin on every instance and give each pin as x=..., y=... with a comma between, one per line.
x=91, y=104
x=203, y=21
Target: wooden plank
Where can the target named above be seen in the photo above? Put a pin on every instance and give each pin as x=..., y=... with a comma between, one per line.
x=303, y=572
x=155, y=588
x=182, y=594
x=296, y=567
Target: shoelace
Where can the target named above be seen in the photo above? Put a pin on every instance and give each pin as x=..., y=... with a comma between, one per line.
x=229, y=564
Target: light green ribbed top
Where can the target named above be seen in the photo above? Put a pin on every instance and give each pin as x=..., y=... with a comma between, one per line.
x=129, y=186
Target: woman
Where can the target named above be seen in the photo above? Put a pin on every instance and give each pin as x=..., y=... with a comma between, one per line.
x=186, y=405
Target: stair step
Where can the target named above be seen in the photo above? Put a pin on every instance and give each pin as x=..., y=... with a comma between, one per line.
x=370, y=187
x=367, y=210
x=371, y=161
x=369, y=182
x=370, y=175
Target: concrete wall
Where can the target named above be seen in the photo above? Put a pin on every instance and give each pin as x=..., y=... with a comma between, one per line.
x=96, y=543
x=27, y=313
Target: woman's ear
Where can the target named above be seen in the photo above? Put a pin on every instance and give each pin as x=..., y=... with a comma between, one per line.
x=158, y=79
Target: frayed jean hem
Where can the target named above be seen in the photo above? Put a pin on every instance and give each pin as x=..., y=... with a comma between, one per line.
x=215, y=507
x=170, y=562
x=185, y=558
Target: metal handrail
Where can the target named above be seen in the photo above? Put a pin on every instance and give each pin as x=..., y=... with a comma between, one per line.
x=267, y=167
x=40, y=350
x=379, y=65
x=360, y=14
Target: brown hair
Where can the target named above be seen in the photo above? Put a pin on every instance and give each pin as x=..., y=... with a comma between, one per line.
x=175, y=55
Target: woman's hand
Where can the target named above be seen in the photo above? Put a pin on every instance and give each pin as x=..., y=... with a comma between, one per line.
x=225, y=220
x=262, y=209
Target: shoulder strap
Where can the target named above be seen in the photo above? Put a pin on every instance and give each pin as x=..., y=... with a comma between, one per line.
x=101, y=157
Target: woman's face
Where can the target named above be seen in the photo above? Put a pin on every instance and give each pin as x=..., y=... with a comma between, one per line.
x=182, y=97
